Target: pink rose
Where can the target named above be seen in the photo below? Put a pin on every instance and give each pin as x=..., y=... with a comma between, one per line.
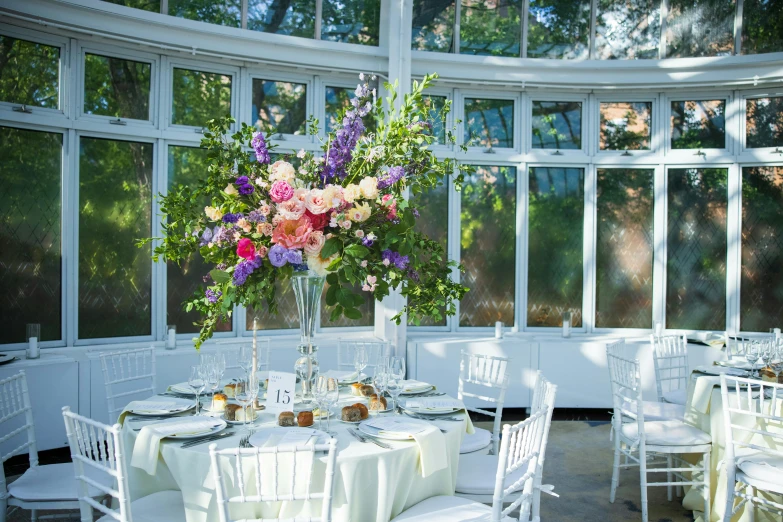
x=291, y=210
x=314, y=243
x=262, y=251
x=246, y=249
x=315, y=203
x=281, y=191
x=293, y=234
x=265, y=228
x=386, y=197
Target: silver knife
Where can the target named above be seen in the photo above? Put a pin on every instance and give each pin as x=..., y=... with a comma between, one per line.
x=209, y=438
x=370, y=439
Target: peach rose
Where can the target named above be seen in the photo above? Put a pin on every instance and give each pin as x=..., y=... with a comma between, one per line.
x=292, y=209
x=315, y=203
x=293, y=234
x=262, y=251
x=314, y=243
x=265, y=229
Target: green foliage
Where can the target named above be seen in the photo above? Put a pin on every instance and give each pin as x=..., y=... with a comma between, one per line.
x=291, y=17
x=699, y=124
x=625, y=132
x=351, y=21
x=223, y=12
x=116, y=87
x=29, y=73
x=490, y=27
x=762, y=26
x=558, y=29
x=199, y=97
x=764, y=122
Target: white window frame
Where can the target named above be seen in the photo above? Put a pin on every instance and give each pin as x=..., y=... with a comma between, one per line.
x=766, y=154
x=447, y=93
x=698, y=156
x=246, y=104
x=549, y=154
x=475, y=152
x=134, y=125
x=655, y=126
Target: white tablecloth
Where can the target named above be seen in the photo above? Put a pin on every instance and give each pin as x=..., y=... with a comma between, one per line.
x=704, y=410
x=371, y=483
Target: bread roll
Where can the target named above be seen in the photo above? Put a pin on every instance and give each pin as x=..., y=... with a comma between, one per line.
x=366, y=390
x=230, y=390
x=219, y=402
x=231, y=411
x=362, y=409
x=305, y=418
x=356, y=389
x=351, y=414
x=286, y=418
x=377, y=403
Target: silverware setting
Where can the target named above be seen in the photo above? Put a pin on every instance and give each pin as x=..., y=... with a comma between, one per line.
x=364, y=439
x=207, y=438
x=432, y=418
x=244, y=442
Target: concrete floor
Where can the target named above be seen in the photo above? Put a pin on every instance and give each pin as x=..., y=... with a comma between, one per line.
x=579, y=465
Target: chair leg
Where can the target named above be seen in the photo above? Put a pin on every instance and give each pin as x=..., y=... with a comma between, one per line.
x=643, y=479
x=669, y=478
x=707, y=487
x=750, y=506
x=615, y=468
x=3, y=507
x=33, y=515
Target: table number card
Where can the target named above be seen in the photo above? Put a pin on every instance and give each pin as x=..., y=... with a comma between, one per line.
x=280, y=393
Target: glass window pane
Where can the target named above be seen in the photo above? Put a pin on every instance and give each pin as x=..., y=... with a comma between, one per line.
x=624, y=248
x=30, y=243
x=764, y=122
x=761, y=288
x=280, y=106
x=287, y=316
x=351, y=21
x=433, y=26
x=221, y=12
x=628, y=29
x=489, y=123
x=557, y=125
x=625, y=125
x=433, y=222
x=696, y=249
x=115, y=209
x=294, y=18
x=116, y=87
x=436, y=105
x=337, y=99
x=699, y=124
x=29, y=73
x=187, y=165
x=555, y=224
x=762, y=26
x=367, y=309
x=488, y=246
x=557, y=29
x=198, y=97
x=147, y=5
x=700, y=28
x=490, y=27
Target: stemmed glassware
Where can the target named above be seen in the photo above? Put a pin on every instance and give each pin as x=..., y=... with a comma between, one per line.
x=359, y=361
x=379, y=379
x=212, y=378
x=767, y=351
x=197, y=383
x=752, y=355
x=327, y=393
x=319, y=393
x=247, y=391
x=245, y=357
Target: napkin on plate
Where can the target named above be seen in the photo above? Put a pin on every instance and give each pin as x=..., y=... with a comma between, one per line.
x=147, y=446
x=412, y=385
x=182, y=388
x=154, y=406
x=342, y=375
x=438, y=405
x=429, y=439
x=717, y=370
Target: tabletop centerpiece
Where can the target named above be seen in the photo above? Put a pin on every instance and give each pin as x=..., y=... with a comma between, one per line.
x=342, y=218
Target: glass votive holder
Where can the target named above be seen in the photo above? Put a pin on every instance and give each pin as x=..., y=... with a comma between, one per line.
x=498, y=329
x=33, y=337
x=171, y=337
x=566, y=324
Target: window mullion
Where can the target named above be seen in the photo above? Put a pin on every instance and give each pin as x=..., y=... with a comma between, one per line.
x=453, y=244
x=662, y=42
x=589, y=250
x=523, y=16
x=734, y=250
x=738, y=21
x=457, y=22
x=319, y=14
x=520, y=305
x=593, y=15
x=159, y=274
x=70, y=235
x=659, y=245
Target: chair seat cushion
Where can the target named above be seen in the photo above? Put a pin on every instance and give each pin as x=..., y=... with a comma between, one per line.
x=762, y=466
x=479, y=440
x=668, y=433
x=163, y=506
x=654, y=410
x=676, y=397
x=445, y=509
x=54, y=482
x=476, y=474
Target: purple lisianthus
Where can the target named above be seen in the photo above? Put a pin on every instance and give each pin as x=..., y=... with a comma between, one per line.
x=259, y=145
x=246, y=189
x=366, y=241
x=244, y=268
x=213, y=296
x=394, y=175
x=278, y=255
x=241, y=180
x=294, y=257
x=232, y=218
x=256, y=217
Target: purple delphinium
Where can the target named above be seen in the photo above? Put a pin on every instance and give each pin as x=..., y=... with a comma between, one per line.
x=244, y=268
x=232, y=218
x=256, y=217
x=259, y=145
x=396, y=259
x=366, y=241
x=394, y=175
x=223, y=235
x=278, y=255
x=340, y=151
x=213, y=296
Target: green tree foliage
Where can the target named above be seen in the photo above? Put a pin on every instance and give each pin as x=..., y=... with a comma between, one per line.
x=489, y=123
x=557, y=125
x=699, y=124
x=290, y=17
x=558, y=29
x=280, y=107
x=30, y=242
x=618, y=133
x=146, y=5
x=116, y=87
x=433, y=25
x=199, y=97
x=764, y=122
x=29, y=73
x=762, y=26
x=700, y=28
x=351, y=21
x=221, y=12
x=490, y=27
x=628, y=29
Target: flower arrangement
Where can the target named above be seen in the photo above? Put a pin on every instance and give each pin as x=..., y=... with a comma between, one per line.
x=344, y=215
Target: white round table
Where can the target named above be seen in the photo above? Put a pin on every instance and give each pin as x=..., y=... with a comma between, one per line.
x=370, y=484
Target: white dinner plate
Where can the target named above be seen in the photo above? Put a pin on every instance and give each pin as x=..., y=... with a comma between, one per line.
x=219, y=426
x=736, y=363
x=261, y=437
x=419, y=392
x=182, y=406
x=417, y=411
x=6, y=358
x=376, y=432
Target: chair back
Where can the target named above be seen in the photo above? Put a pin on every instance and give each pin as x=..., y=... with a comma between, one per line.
x=751, y=414
x=670, y=357
x=127, y=373
x=544, y=394
x=520, y=449
x=626, y=382
x=488, y=375
x=16, y=422
x=376, y=350
x=98, y=448
x=265, y=483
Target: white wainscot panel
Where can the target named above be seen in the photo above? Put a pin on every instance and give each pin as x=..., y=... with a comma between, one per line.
x=53, y=382
x=437, y=362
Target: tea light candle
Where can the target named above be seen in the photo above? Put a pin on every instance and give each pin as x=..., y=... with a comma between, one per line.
x=33, y=352
x=498, y=330
x=566, y=324
x=171, y=338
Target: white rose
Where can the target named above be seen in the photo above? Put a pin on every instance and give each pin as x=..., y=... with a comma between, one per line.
x=351, y=193
x=283, y=171
x=231, y=190
x=318, y=265
x=369, y=187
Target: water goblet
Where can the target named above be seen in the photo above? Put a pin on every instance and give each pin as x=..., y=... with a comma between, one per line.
x=319, y=393
x=379, y=380
x=197, y=383
x=359, y=361
x=245, y=357
x=331, y=396
x=397, y=366
x=213, y=382
x=752, y=355
x=246, y=393
x=394, y=386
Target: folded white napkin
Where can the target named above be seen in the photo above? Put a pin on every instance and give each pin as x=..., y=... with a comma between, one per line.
x=429, y=439
x=717, y=370
x=434, y=404
x=341, y=375
x=412, y=385
x=156, y=405
x=181, y=387
x=147, y=446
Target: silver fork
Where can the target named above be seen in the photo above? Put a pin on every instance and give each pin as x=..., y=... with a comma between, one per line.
x=362, y=438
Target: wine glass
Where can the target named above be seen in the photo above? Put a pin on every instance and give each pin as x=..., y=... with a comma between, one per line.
x=213, y=380
x=776, y=363
x=319, y=393
x=329, y=391
x=752, y=355
x=394, y=386
x=197, y=383
x=245, y=357
x=397, y=367
x=359, y=361
x=220, y=364
x=379, y=380
x=766, y=353
x=247, y=391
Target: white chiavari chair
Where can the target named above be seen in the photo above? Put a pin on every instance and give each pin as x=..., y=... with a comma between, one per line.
x=97, y=450
x=476, y=471
x=513, y=482
x=489, y=374
x=375, y=351
x=48, y=487
x=750, y=416
x=229, y=466
x=127, y=369
x=635, y=438
x=670, y=357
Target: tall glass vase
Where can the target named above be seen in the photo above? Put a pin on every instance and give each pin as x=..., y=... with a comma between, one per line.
x=308, y=288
